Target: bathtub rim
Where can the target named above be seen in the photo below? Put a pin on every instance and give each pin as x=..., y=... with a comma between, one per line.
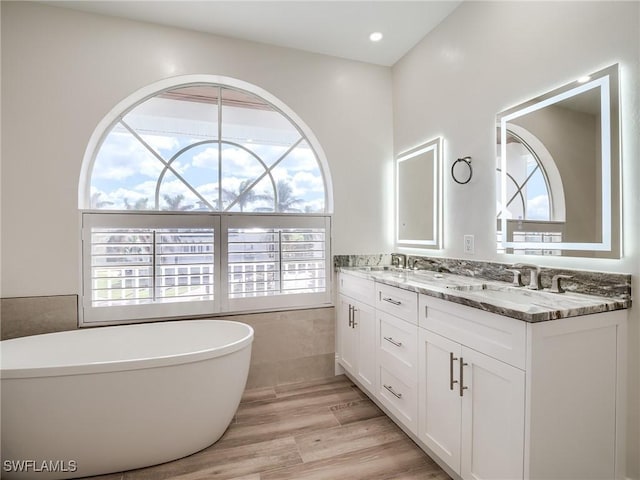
x=112, y=366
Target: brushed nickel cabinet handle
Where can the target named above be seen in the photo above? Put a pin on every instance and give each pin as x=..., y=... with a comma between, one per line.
x=451, y=380
x=392, y=391
x=392, y=301
x=350, y=316
x=394, y=342
x=462, y=365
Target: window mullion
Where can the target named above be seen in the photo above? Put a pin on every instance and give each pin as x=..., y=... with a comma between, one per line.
x=280, y=272
x=222, y=262
x=219, y=149
x=154, y=264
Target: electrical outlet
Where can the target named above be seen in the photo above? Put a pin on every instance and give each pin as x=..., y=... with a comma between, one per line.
x=468, y=244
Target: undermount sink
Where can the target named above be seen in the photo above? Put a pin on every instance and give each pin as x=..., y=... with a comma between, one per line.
x=427, y=275
x=377, y=268
x=446, y=280
x=519, y=295
x=389, y=272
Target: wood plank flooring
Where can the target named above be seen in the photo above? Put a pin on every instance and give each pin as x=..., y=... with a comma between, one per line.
x=322, y=430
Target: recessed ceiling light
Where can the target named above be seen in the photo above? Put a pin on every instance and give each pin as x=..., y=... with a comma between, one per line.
x=584, y=79
x=375, y=37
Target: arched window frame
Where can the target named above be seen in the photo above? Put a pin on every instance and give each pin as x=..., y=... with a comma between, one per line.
x=145, y=93
x=221, y=224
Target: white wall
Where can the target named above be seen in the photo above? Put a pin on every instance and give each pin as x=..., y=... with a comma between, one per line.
x=489, y=56
x=64, y=70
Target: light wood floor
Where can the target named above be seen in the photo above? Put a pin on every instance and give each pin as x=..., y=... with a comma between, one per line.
x=325, y=430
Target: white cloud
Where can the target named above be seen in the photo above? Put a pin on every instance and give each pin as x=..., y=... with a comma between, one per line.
x=208, y=158
x=162, y=143
x=538, y=208
x=122, y=156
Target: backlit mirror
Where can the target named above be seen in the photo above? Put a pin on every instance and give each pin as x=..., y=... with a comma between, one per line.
x=418, y=196
x=559, y=171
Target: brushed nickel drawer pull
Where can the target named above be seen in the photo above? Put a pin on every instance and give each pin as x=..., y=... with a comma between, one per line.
x=451, y=380
x=392, y=301
x=394, y=342
x=394, y=393
x=462, y=387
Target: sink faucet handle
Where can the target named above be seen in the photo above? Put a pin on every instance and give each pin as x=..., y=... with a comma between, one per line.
x=556, y=287
x=399, y=260
x=535, y=282
x=517, y=277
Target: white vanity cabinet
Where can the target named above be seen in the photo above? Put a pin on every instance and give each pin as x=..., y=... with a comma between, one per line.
x=471, y=409
x=487, y=395
x=397, y=353
x=356, y=329
x=503, y=398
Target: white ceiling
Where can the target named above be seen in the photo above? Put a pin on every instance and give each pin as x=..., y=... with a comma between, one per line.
x=338, y=28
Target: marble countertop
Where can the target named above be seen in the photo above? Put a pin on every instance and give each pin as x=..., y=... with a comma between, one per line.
x=492, y=296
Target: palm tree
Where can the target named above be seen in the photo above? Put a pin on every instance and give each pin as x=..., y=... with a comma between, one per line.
x=174, y=203
x=285, y=199
x=96, y=203
x=242, y=196
x=140, y=204
x=213, y=204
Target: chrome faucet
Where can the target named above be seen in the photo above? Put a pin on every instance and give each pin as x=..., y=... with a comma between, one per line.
x=517, y=276
x=535, y=282
x=399, y=260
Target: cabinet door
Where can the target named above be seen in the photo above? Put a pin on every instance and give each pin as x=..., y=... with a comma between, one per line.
x=439, y=409
x=347, y=335
x=492, y=418
x=365, y=328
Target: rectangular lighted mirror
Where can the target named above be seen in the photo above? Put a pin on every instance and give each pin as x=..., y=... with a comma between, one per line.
x=559, y=171
x=419, y=196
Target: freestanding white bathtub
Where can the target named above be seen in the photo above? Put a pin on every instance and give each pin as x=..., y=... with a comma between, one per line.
x=109, y=399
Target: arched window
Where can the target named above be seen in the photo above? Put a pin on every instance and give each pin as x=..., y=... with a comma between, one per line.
x=200, y=196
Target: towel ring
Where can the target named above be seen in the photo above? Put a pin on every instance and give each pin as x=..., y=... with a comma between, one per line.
x=462, y=178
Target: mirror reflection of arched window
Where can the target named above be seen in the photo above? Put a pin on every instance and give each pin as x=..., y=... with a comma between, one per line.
x=530, y=208
x=528, y=196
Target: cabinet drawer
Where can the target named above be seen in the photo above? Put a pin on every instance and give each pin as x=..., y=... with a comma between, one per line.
x=499, y=337
x=358, y=288
x=398, y=302
x=401, y=399
x=398, y=345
